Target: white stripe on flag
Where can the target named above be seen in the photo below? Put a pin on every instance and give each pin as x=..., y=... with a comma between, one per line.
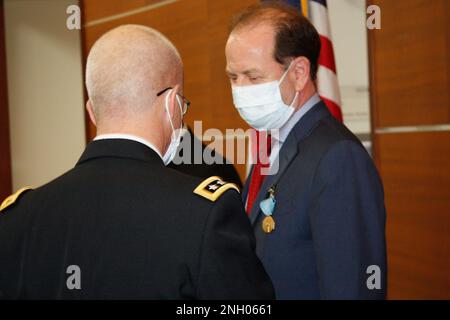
x=318, y=15
x=327, y=85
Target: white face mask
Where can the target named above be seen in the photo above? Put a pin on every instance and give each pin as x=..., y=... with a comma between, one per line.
x=261, y=105
x=175, y=141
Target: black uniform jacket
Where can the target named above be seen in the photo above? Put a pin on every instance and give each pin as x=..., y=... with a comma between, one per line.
x=203, y=170
x=121, y=225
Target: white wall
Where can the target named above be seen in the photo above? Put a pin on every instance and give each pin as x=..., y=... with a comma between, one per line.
x=348, y=28
x=45, y=90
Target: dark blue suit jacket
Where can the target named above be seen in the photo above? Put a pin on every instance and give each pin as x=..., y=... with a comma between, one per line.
x=330, y=215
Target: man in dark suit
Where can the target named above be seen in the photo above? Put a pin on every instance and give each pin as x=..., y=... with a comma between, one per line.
x=319, y=215
x=121, y=225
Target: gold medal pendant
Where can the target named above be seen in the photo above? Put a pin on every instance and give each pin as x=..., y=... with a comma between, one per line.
x=268, y=224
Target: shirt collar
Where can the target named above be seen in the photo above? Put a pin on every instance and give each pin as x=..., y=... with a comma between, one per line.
x=287, y=127
x=128, y=137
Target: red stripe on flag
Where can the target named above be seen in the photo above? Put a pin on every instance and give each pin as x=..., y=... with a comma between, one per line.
x=334, y=108
x=326, y=57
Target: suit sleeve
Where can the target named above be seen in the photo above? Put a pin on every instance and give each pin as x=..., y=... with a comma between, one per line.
x=229, y=267
x=348, y=224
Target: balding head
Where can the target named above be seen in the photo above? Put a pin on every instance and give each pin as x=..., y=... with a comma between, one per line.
x=126, y=68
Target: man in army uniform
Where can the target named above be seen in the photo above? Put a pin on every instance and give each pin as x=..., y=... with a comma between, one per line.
x=127, y=225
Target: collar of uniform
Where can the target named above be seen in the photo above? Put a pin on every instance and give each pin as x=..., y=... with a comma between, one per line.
x=119, y=148
x=286, y=129
x=128, y=137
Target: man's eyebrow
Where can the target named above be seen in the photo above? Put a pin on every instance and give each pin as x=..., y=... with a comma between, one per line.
x=246, y=72
x=249, y=71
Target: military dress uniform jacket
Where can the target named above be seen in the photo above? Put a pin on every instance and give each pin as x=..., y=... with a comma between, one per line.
x=329, y=236
x=134, y=229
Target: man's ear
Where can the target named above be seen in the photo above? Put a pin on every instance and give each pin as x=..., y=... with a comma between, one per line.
x=90, y=111
x=301, y=66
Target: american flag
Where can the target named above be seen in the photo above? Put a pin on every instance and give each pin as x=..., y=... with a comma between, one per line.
x=327, y=81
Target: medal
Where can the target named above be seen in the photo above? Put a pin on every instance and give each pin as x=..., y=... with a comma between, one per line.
x=267, y=206
x=268, y=224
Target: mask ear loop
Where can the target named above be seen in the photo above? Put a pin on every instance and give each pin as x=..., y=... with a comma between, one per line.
x=170, y=117
x=181, y=116
x=281, y=80
x=167, y=110
x=285, y=73
x=293, y=100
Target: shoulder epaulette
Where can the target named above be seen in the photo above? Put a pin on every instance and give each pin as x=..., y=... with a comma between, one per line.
x=13, y=198
x=213, y=187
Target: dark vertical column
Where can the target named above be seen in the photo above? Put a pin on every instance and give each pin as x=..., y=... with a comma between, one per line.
x=5, y=151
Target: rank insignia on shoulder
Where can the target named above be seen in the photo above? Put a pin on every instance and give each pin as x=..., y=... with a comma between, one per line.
x=213, y=187
x=13, y=198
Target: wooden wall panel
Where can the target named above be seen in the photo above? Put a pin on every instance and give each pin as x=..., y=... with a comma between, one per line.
x=5, y=152
x=199, y=29
x=448, y=53
x=410, y=88
x=413, y=69
x=416, y=174
x=98, y=9
x=221, y=104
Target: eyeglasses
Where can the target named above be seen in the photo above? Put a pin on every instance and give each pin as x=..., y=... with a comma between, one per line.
x=186, y=102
